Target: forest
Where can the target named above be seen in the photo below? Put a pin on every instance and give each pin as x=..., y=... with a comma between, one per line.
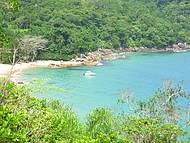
x=72, y=27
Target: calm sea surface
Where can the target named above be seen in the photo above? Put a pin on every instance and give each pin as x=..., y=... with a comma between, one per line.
x=141, y=74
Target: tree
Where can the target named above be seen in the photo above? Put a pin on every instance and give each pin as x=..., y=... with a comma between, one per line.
x=29, y=47
x=170, y=105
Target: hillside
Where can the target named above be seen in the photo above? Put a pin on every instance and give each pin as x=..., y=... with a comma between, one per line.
x=72, y=27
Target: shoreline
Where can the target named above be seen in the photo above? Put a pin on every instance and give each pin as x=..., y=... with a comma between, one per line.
x=89, y=59
x=17, y=69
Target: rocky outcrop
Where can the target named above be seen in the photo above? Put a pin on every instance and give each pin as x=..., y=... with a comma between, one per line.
x=58, y=64
x=93, y=58
x=104, y=54
x=179, y=47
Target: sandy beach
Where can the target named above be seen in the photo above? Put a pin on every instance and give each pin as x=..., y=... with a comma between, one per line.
x=7, y=69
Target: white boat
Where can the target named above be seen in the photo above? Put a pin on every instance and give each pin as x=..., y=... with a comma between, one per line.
x=180, y=51
x=89, y=73
x=99, y=64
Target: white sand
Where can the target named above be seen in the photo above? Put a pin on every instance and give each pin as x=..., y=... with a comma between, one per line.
x=5, y=69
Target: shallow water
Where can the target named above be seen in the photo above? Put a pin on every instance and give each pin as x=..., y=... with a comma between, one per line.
x=141, y=74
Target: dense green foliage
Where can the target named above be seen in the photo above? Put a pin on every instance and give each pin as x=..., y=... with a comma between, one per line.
x=5, y=7
x=77, y=26
x=24, y=118
x=7, y=36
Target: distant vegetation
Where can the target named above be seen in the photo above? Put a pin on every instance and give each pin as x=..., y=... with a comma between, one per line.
x=24, y=118
x=72, y=27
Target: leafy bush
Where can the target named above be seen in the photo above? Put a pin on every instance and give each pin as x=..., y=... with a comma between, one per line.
x=28, y=119
x=24, y=118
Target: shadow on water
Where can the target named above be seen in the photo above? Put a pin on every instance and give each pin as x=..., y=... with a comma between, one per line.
x=78, y=69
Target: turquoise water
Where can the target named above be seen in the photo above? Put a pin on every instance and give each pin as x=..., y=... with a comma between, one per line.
x=140, y=74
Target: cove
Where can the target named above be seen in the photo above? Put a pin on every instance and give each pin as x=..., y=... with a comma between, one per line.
x=141, y=74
